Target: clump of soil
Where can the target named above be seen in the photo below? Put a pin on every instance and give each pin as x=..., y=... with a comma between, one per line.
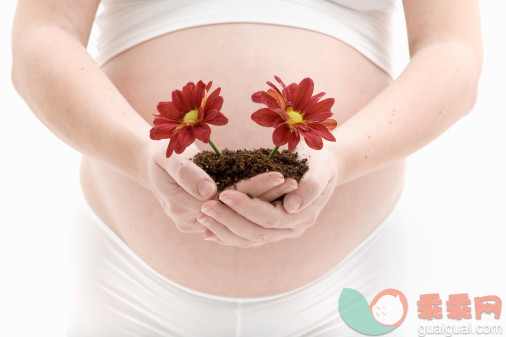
x=234, y=166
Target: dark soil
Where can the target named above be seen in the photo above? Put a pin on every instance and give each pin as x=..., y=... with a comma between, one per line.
x=234, y=166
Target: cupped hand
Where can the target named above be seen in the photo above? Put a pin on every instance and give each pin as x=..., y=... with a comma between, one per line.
x=181, y=187
x=241, y=221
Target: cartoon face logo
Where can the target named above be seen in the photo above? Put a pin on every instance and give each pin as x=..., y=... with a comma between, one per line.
x=389, y=307
x=385, y=313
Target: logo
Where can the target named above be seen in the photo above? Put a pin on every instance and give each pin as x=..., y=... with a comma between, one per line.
x=385, y=313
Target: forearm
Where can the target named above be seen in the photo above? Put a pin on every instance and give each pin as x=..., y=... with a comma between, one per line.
x=69, y=93
x=438, y=87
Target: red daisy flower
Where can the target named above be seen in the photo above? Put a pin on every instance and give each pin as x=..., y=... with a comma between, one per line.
x=186, y=118
x=295, y=112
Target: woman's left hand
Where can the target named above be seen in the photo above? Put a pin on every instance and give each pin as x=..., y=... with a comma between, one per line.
x=241, y=221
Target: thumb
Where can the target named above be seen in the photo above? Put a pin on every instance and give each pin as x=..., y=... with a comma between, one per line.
x=310, y=187
x=188, y=175
x=317, y=184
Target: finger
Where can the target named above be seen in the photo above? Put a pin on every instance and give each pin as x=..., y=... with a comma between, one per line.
x=194, y=227
x=223, y=234
x=241, y=226
x=264, y=214
x=259, y=184
x=288, y=186
x=323, y=198
x=310, y=187
x=210, y=236
x=184, y=212
x=189, y=176
x=180, y=206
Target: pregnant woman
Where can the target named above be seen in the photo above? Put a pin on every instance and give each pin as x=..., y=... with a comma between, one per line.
x=169, y=256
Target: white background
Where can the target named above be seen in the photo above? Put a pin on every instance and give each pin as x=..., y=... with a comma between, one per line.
x=456, y=190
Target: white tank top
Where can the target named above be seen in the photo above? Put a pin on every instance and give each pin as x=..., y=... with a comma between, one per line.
x=366, y=25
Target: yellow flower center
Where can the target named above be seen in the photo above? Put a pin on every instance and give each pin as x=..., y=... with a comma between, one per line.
x=191, y=115
x=295, y=117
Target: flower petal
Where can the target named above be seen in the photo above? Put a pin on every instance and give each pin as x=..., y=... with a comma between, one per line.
x=200, y=114
x=215, y=117
x=303, y=93
x=278, y=122
x=190, y=98
x=264, y=98
x=318, y=116
x=170, y=148
x=190, y=85
x=202, y=132
x=312, y=101
x=214, y=103
x=289, y=93
x=184, y=139
x=294, y=140
x=163, y=131
x=198, y=94
x=279, y=99
x=265, y=117
x=169, y=110
x=180, y=101
x=159, y=120
x=323, y=106
x=312, y=139
x=283, y=114
x=214, y=94
x=330, y=124
x=279, y=81
x=281, y=135
x=321, y=131
x=274, y=88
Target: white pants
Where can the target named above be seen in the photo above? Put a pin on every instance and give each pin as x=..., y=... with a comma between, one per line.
x=115, y=293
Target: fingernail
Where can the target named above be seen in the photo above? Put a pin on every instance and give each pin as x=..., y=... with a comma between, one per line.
x=205, y=188
x=209, y=211
x=276, y=182
x=226, y=200
x=293, y=203
x=208, y=235
x=204, y=221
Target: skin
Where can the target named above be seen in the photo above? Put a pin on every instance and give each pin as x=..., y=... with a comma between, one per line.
x=155, y=205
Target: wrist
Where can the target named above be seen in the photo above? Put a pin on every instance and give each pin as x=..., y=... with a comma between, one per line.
x=132, y=150
x=335, y=162
x=146, y=160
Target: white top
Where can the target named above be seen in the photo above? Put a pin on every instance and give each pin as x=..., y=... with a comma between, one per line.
x=366, y=25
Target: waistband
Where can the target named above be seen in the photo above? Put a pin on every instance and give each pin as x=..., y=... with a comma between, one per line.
x=345, y=268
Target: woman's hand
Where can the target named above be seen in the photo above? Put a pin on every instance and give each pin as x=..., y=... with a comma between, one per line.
x=182, y=187
x=251, y=222
x=179, y=185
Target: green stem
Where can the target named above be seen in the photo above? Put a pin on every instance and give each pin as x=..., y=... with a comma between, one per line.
x=214, y=148
x=273, y=152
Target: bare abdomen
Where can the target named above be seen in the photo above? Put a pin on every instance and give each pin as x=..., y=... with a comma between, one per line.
x=240, y=58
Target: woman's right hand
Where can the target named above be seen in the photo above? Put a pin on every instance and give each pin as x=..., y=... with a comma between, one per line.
x=181, y=186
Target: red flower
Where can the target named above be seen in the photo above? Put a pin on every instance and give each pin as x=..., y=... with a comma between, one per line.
x=187, y=116
x=294, y=112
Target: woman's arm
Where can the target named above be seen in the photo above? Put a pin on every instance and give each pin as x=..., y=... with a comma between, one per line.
x=438, y=87
x=71, y=95
x=66, y=90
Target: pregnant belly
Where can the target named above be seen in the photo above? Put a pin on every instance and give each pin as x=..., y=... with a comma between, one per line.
x=239, y=58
